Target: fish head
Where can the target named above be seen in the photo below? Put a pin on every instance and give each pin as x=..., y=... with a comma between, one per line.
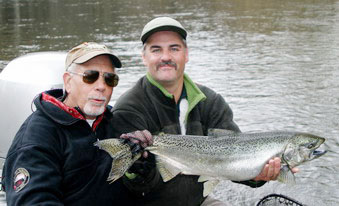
x=301, y=148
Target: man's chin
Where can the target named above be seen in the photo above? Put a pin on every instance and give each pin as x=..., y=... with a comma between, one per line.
x=94, y=111
x=166, y=80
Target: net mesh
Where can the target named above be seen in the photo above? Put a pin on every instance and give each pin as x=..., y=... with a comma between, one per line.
x=278, y=200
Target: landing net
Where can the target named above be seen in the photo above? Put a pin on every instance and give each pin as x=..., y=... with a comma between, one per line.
x=278, y=200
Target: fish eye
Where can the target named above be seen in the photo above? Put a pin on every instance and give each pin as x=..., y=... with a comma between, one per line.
x=310, y=146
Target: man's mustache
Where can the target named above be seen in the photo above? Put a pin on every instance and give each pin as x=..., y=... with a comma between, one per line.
x=167, y=63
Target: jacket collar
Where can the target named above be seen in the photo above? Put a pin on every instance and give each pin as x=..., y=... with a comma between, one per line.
x=194, y=94
x=49, y=102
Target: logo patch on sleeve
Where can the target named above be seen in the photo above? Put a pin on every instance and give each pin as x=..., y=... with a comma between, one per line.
x=21, y=179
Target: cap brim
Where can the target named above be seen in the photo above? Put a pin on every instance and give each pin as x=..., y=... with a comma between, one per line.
x=178, y=30
x=115, y=60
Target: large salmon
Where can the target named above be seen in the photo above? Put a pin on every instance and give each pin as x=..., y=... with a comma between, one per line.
x=221, y=155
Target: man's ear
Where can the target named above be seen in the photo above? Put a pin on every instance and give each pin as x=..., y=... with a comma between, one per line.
x=186, y=55
x=143, y=57
x=67, y=82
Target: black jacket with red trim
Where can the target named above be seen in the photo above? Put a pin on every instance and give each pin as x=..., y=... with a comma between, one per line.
x=52, y=160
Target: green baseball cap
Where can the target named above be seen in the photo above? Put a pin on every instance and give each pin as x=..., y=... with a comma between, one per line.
x=162, y=24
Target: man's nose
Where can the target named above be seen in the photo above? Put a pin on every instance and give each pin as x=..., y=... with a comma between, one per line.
x=100, y=83
x=166, y=56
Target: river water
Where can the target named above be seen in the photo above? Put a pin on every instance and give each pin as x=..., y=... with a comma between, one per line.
x=275, y=62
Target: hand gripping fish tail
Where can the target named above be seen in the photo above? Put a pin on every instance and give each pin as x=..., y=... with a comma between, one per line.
x=123, y=153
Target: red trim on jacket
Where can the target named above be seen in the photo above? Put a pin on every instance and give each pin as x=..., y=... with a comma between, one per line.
x=72, y=111
x=97, y=121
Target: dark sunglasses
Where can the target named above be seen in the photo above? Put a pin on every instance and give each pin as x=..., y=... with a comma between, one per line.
x=91, y=76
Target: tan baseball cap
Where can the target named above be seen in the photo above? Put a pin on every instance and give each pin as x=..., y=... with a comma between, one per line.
x=88, y=50
x=162, y=24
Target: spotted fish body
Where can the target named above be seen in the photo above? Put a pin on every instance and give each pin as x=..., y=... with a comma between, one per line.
x=222, y=155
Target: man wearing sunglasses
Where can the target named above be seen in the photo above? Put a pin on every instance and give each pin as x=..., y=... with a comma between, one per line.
x=53, y=160
x=167, y=100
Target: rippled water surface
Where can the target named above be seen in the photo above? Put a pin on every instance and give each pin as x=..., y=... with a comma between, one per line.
x=275, y=63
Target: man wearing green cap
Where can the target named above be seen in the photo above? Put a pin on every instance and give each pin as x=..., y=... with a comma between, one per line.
x=167, y=100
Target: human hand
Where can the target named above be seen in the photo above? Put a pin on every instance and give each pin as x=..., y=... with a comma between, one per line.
x=271, y=170
x=143, y=168
x=143, y=138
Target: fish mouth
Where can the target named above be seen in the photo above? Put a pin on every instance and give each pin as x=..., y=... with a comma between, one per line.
x=317, y=153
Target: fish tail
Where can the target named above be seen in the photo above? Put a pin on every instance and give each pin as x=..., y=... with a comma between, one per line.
x=121, y=155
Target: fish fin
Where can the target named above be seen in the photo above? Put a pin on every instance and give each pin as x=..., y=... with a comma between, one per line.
x=204, y=178
x=121, y=155
x=119, y=166
x=213, y=132
x=112, y=146
x=286, y=175
x=167, y=171
x=209, y=186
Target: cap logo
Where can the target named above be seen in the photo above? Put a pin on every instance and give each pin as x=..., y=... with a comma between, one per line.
x=21, y=179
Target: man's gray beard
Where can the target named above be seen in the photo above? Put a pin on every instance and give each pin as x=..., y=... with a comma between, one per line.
x=89, y=111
